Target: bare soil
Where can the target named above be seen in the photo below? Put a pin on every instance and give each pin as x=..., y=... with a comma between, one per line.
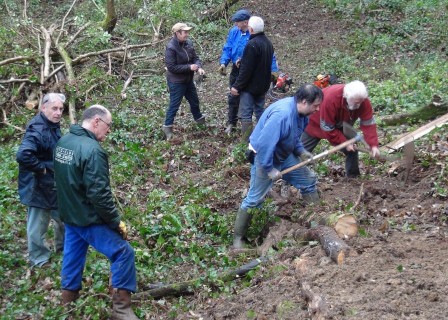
x=397, y=266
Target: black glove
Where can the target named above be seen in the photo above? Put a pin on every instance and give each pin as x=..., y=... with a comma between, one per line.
x=250, y=156
x=274, y=175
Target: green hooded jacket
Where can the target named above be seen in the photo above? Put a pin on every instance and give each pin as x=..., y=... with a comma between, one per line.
x=81, y=170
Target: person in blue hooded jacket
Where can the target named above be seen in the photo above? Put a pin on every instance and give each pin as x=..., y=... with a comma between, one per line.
x=36, y=179
x=232, y=51
x=276, y=145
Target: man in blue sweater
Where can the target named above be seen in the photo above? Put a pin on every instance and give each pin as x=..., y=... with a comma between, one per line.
x=233, y=51
x=276, y=145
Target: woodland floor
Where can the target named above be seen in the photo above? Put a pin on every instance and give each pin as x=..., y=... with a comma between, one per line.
x=396, y=271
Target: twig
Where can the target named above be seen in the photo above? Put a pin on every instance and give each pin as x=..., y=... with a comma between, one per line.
x=128, y=81
x=15, y=59
x=110, y=64
x=12, y=80
x=24, y=10
x=63, y=22
x=98, y=7
x=5, y=121
x=76, y=35
x=359, y=197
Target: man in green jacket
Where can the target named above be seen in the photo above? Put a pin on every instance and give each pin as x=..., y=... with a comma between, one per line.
x=86, y=207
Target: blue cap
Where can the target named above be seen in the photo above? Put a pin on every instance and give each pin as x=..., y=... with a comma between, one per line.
x=241, y=15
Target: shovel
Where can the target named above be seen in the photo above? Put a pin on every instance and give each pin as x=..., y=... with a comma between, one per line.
x=341, y=146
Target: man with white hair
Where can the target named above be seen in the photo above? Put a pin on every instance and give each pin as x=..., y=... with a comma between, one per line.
x=254, y=77
x=343, y=103
x=87, y=208
x=36, y=179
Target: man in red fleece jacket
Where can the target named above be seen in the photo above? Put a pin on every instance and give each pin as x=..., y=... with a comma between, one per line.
x=343, y=103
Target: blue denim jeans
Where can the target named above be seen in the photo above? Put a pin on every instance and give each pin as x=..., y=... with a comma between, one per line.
x=303, y=179
x=177, y=92
x=38, y=221
x=250, y=105
x=104, y=240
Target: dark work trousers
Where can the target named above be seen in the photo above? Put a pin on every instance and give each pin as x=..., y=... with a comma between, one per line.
x=233, y=101
x=351, y=157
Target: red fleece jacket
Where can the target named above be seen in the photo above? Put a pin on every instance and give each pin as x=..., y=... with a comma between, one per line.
x=327, y=123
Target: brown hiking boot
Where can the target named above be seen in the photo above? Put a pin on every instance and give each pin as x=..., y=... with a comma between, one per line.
x=69, y=296
x=122, y=306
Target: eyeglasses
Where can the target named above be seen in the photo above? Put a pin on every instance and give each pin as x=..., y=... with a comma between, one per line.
x=109, y=125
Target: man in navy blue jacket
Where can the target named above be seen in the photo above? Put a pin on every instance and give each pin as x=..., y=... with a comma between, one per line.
x=277, y=146
x=254, y=77
x=233, y=51
x=36, y=178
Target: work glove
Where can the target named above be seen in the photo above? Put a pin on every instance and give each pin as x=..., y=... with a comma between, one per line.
x=123, y=230
x=222, y=70
x=274, y=175
x=305, y=155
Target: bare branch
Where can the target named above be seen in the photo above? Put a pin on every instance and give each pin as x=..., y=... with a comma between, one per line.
x=15, y=59
x=24, y=10
x=76, y=35
x=12, y=80
x=63, y=22
x=123, y=92
x=47, y=37
x=6, y=122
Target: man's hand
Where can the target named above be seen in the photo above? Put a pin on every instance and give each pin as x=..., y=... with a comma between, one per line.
x=274, y=77
x=350, y=148
x=375, y=152
x=274, y=175
x=305, y=155
x=123, y=230
x=234, y=92
x=194, y=67
x=201, y=71
x=222, y=70
x=238, y=63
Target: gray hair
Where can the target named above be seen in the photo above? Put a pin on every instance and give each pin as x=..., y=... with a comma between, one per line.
x=355, y=89
x=93, y=111
x=257, y=24
x=53, y=97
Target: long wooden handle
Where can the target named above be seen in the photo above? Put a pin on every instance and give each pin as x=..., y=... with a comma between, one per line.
x=323, y=154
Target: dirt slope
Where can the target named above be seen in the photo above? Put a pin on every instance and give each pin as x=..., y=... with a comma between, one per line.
x=396, y=271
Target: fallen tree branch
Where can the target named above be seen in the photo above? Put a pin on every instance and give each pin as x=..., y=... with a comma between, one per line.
x=334, y=247
x=126, y=84
x=16, y=59
x=6, y=122
x=47, y=37
x=186, y=287
x=12, y=80
x=63, y=22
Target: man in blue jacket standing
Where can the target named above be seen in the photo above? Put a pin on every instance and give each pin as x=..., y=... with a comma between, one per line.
x=36, y=178
x=276, y=145
x=254, y=77
x=237, y=39
x=89, y=213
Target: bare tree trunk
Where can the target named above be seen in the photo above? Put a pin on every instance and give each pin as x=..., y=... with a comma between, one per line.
x=71, y=80
x=111, y=17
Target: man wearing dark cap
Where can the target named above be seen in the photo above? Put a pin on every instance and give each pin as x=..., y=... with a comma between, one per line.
x=233, y=51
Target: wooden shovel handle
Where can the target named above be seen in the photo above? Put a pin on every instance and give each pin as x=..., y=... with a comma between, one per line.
x=323, y=154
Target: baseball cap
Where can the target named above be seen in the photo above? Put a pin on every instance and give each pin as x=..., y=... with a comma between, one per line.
x=180, y=26
x=241, y=15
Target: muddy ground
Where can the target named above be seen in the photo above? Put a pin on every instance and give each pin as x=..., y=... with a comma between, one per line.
x=397, y=266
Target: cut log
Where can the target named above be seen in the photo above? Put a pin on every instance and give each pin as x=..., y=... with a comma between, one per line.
x=334, y=247
x=186, y=287
x=346, y=226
